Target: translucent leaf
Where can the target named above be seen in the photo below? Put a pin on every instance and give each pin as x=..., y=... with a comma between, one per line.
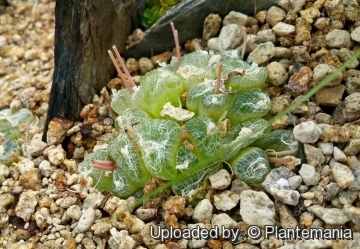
x=130, y=117
x=159, y=141
x=101, y=178
x=278, y=140
x=197, y=93
x=121, y=185
x=250, y=104
x=160, y=86
x=121, y=101
x=185, y=158
x=199, y=58
x=192, y=75
x=8, y=147
x=230, y=61
x=250, y=165
x=194, y=181
x=204, y=135
x=128, y=159
x=252, y=77
x=214, y=105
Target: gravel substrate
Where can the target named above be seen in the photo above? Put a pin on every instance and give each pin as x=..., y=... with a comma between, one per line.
x=45, y=203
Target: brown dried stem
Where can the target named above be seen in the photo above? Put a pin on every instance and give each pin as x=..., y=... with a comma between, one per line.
x=120, y=73
x=132, y=83
x=177, y=45
x=218, y=79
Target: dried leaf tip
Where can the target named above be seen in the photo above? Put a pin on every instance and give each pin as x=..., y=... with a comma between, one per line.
x=177, y=45
x=244, y=43
x=126, y=79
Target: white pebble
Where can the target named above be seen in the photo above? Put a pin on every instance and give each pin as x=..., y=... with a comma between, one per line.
x=339, y=156
x=326, y=148
x=86, y=220
x=220, y=180
x=203, y=211
x=283, y=29
x=309, y=174
x=306, y=132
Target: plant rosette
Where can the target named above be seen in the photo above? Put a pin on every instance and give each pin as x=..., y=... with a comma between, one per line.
x=185, y=113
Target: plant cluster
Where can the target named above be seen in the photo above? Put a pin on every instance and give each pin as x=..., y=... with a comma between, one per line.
x=156, y=9
x=10, y=134
x=184, y=113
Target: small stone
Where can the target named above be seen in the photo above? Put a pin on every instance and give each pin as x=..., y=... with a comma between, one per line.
x=343, y=175
x=265, y=36
x=22, y=234
x=334, y=133
x=72, y=213
x=235, y=18
x=330, y=95
x=132, y=65
x=56, y=155
x=287, y=219
x=261, y=15
x=353, y=213
x=175, y=205
x=198, y=242
x=45, y=168
x=57, y=130
x=295, y=181
x=344, y=54
x=352, y=81
x=306, y=132
x=230, y=37
x=25, y=207
x=25, y=166
x=353, y=147
x=145, y=65
x=355, y=34
x=323, y=118
x=203, y=211
x=331, y=191
x=283, y=29
x=262, y=53
x=121, y=240
x=326, y=148
x=283, y=193
x=275, y=175
x=352, y=107
x=101, y=228
x=145, y=214
x=6, y=199
x=223, y=219
x=338, y=38
x=212, y=26
x=309, y=174
x=66, y=202
x=277, y=74
x=256, y=208
x=306, y=219
x=323, y=70
x=37, y=146
x=331, y=216
x=339, y=156
x=299, y=82
x=31, y=180
x=347, y=197
x=275, y=15
x=282, y=53
x=226, y=200
x=93, y=200
x=86, y=220
x=220, y=180
x=314, y=155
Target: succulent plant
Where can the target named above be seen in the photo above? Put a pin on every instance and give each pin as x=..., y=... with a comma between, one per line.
x=156, y=9
x=185, y=113
x=9, y=132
